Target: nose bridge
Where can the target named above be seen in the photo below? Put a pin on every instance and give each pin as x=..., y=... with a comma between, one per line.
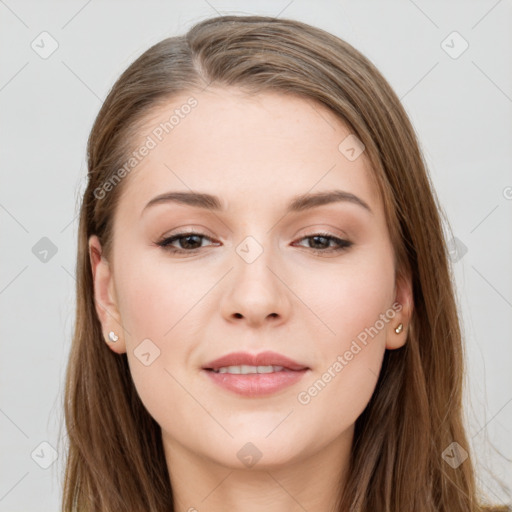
x=255, y=244
x=254, y=259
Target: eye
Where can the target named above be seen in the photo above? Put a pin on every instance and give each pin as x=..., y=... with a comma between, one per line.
x=321, y=242
x=189, y=241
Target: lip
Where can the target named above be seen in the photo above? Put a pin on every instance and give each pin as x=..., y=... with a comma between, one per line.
x=267, y=358
x=255, y=384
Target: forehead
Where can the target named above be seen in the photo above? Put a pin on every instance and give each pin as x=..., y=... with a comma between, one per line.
x=247, y=148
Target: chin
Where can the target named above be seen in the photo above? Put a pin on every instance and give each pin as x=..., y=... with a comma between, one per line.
x=258, y=453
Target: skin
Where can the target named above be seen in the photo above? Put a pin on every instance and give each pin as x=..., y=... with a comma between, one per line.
x=255, y=153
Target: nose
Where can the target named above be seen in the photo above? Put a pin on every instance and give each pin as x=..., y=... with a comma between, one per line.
x=256, y=292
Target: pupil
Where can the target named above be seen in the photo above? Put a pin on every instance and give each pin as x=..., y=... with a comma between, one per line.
x=316, y=238
x=187, y=238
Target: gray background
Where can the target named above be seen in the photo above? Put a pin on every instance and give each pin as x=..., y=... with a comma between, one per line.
x=460, y=107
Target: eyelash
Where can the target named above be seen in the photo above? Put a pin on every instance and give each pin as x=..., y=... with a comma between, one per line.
x=343, y=245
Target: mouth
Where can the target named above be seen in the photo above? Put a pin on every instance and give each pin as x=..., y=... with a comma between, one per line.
x=252, y=375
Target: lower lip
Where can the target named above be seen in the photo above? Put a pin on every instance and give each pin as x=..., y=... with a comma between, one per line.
x=256, y=384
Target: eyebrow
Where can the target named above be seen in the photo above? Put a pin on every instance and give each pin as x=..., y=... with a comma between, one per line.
x=297, y=204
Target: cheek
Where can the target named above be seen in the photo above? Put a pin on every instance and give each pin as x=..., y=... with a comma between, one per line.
x=155, y=302
x=154, y=298
x=351, y=296
x=354, y=301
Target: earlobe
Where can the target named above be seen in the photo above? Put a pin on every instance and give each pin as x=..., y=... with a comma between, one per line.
x=399, y=327
x=104, y=297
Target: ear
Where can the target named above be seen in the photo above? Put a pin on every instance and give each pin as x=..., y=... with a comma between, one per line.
x=104, y=296
x=403, y=296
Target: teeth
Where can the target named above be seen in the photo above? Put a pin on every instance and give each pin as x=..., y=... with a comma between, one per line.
x=246, y=369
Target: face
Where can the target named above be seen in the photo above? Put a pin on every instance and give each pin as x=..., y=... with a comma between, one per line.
x=315, y=283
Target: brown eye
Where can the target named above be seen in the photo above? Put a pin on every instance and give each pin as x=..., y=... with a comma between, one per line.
x=320, y=243
x=188, y=242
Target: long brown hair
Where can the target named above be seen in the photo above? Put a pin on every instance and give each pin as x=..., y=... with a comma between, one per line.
x=116, y=459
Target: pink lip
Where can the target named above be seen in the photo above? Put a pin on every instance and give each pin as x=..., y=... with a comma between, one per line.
x=262, y=359
x=255, y=384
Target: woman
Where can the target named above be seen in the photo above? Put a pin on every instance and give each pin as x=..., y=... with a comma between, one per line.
x=265, y=317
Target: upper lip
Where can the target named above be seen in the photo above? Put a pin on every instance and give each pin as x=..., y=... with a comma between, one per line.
x=268, y=358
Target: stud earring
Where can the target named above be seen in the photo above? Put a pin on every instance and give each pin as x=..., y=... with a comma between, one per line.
x=398, y=330
x=112, y=336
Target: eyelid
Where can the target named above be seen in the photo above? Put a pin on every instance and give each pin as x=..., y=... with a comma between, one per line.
x=322, y=227
x=188, y=231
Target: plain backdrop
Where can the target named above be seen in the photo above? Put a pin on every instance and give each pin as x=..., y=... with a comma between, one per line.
x=456, y=88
